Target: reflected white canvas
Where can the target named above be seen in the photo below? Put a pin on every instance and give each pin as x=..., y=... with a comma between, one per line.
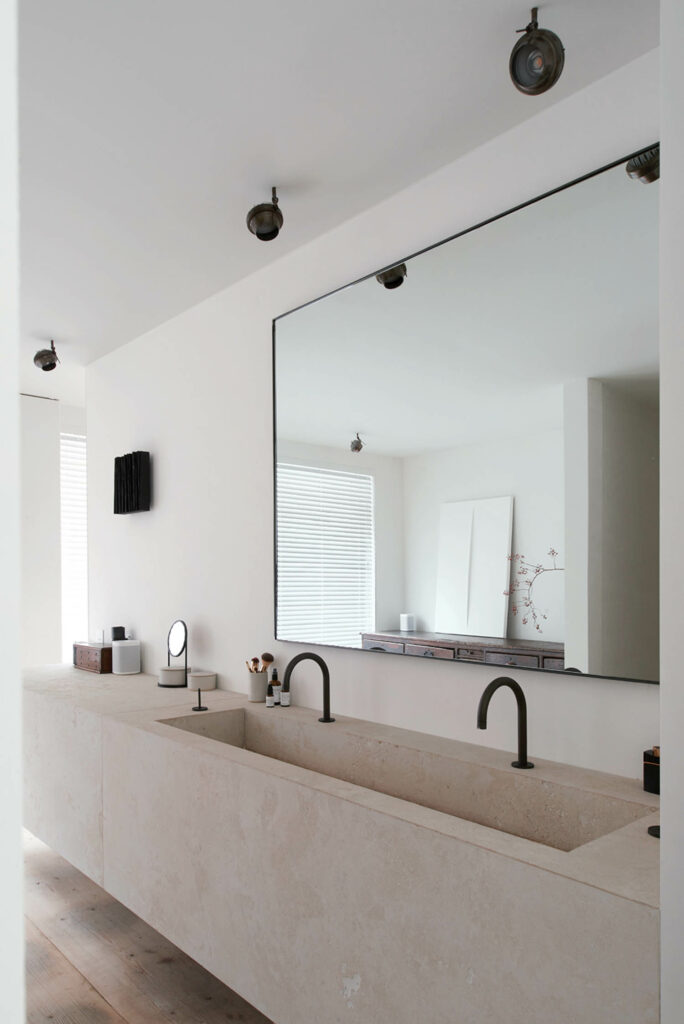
x=472, y=567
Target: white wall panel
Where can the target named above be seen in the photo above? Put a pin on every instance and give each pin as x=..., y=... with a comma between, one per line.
x=672, y=510
x=195, y=392
x=11, y=919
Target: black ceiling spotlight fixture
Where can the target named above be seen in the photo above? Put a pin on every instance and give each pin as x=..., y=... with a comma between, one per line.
x=392, y=278
x=46, y=358
x=357, y=444
x=645, y=167
x=536, y=59
x=266, y=220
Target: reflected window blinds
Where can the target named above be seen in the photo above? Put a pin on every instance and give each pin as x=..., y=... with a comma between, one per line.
x=74, y=541
x=325, y=554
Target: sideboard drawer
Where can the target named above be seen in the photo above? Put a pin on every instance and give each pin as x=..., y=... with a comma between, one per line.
x=470, y=653
x=553, y=662
x=418, y=651
x=382, y=645
x=511, y=660
x=93, y=658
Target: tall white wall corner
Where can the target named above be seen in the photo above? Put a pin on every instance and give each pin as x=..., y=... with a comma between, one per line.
x=611, y=494
x=672, y=507
x=582, y=429
x=11, y=918
x=41, y=618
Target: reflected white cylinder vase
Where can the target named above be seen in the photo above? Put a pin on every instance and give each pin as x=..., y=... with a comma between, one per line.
x=407, y=622
x=258, y=682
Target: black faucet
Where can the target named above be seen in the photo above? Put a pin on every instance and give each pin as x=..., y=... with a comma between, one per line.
x=489, y=692
x=326, y=680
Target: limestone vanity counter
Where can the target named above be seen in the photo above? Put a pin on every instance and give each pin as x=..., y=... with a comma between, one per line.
x=330, y=872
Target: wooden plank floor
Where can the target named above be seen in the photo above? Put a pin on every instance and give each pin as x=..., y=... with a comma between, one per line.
x=89, y=960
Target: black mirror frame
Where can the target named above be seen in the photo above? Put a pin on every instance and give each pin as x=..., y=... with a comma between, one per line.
x=377, y=274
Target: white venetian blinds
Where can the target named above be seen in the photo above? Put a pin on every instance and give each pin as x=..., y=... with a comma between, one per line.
x=326, y=555
x=74, y=528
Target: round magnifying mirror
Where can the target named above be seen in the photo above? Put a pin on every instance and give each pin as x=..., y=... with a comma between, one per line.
x=178, y=638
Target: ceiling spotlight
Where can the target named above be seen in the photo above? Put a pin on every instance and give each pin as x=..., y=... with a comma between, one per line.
x=266, y=220
x=357, y=444
x=646, y=166
x=393, y=277
x=46, y=358
x=536, y=59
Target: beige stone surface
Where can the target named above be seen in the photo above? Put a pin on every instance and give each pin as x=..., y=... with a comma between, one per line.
x=63, y=779
x=320, y=900
x=108, y=694
x=533, y=805
x=62, y=726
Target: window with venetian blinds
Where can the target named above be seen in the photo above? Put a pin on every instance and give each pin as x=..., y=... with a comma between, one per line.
x=74, y=535
x=326, y=555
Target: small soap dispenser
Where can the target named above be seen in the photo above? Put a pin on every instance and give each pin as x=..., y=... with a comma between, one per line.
x=269, y=696
x=285, y=694
x=275, y=683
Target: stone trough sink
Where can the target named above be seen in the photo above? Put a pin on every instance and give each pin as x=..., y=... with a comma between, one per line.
x=552, y=804
x=351, y=872
x=388, y=870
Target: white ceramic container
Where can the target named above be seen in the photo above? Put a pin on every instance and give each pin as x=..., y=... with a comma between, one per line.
x=258, y=683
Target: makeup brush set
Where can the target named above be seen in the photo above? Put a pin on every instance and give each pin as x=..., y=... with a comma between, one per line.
x=264, y=666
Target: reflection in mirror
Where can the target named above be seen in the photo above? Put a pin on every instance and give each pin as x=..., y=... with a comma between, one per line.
x=506, y=492
x=178, y=638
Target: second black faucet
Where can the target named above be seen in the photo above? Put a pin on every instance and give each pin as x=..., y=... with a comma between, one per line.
x=487, y=695
x=309, y=656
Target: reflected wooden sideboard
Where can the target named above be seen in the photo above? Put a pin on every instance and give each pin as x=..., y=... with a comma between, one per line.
x=487, y=650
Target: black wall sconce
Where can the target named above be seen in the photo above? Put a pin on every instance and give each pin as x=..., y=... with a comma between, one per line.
x=537, y=59
x=46, y=358
x=392, y=278
x=645, y=167
x=266, y=219
x=132, y=483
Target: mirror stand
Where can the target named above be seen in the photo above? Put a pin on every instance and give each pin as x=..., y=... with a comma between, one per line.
x=176, y=644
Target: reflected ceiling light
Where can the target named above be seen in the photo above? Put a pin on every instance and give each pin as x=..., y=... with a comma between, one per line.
x=266, y=220
x=536, y=59
x=46, y=358
x=357, y=444
x=393, y=277
x=646, y=166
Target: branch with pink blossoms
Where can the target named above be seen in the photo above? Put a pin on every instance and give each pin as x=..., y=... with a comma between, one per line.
x=528, y=573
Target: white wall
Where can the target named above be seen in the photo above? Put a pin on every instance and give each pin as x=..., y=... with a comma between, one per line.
x=72, y=418
x=11, y=920
x=186, y=391
x=611, y=486
x=630, y=536
x=530, y=469
x=582, y=417
x=672, y=508
x=41, y=603
x=387, y=473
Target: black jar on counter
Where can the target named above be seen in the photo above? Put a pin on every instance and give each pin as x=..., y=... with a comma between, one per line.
x=652, y=770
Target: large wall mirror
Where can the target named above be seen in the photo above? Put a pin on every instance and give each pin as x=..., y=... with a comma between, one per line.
x=467, y=464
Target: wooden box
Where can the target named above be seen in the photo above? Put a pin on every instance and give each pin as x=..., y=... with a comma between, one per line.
x=93, y=657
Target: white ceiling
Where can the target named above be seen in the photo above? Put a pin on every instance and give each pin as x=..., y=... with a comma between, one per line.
x=485, y=330
x=149, y=127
